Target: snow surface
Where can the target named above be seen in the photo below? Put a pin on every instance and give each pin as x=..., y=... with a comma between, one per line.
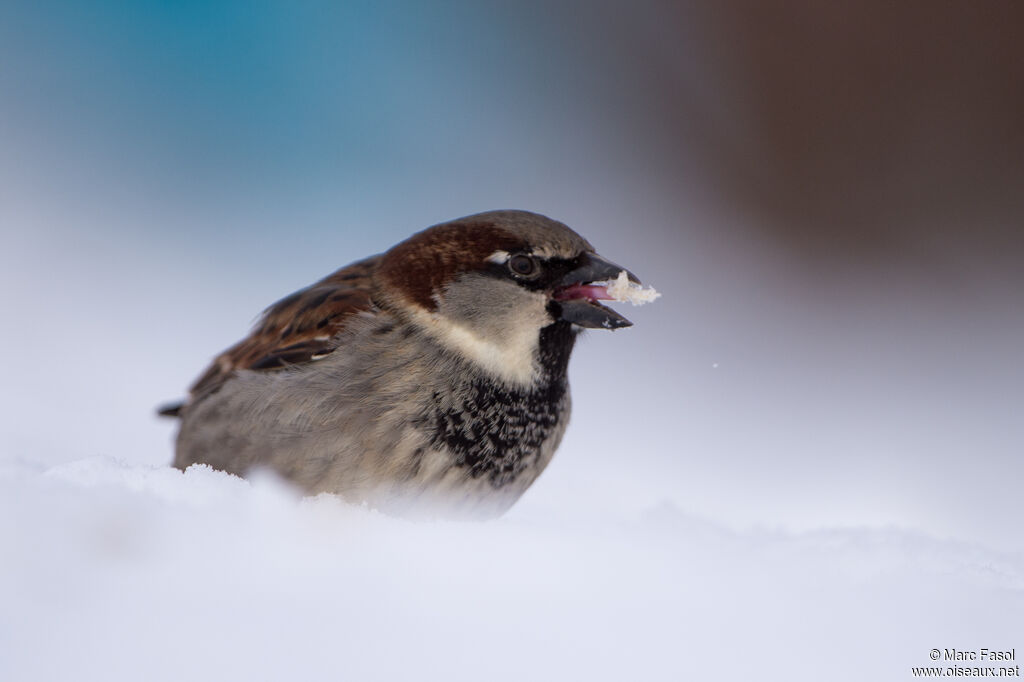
x=115, y=571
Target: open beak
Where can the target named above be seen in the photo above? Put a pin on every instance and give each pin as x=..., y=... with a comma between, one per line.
x=580, y=290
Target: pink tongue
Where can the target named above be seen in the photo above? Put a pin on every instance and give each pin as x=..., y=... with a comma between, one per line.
x=587, y=291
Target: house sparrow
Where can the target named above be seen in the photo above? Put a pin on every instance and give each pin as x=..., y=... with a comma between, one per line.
x=429, y=379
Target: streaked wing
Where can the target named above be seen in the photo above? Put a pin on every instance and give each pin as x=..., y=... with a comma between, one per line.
x=297, y=329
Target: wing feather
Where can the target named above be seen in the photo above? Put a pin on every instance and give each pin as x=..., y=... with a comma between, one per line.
x=298, y=329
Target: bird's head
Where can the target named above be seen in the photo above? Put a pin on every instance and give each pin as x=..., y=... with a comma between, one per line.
x=496, y=287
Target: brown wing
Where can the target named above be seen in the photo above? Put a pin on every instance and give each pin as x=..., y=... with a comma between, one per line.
x=297, y=329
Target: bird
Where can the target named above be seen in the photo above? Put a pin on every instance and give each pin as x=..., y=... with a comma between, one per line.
x=430, y=380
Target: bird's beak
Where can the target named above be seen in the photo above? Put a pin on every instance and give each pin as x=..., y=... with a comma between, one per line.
x=580, y=290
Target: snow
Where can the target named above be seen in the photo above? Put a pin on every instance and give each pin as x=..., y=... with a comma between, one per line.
x=621, y=289
x=120, y=571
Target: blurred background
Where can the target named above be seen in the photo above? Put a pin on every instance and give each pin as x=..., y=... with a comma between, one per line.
x=829, y=196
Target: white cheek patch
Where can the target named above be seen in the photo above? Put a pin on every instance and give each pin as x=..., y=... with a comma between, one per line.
x=512, y=358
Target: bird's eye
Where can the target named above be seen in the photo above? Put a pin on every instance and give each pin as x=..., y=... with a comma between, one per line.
x=524, y=266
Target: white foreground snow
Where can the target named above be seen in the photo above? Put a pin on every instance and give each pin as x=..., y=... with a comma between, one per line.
x=122, y=572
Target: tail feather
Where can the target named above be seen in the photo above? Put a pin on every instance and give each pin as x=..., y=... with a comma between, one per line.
x=170, y=409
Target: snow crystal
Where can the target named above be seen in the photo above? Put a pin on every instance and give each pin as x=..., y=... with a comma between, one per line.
x=621, y=289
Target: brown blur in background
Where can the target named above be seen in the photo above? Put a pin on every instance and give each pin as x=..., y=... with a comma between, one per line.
x=861, y=133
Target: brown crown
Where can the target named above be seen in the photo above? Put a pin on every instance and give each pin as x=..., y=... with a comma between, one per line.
x=425, y=263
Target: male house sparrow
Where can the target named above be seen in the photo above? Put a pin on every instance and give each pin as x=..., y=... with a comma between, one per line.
x=429, y=379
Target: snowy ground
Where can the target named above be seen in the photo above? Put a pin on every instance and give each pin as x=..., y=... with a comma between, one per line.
x=124, y=572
